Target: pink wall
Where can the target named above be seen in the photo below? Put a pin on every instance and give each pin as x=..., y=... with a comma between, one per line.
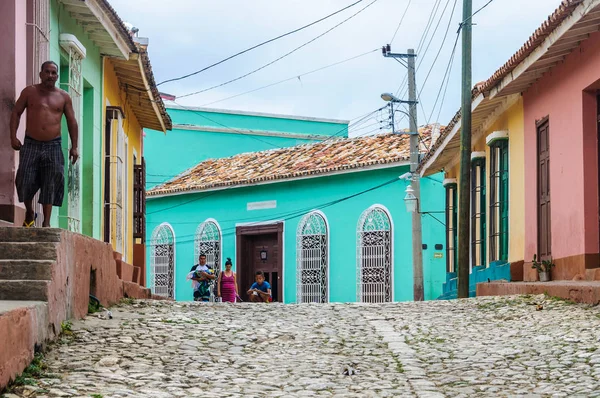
x=565, y=95
x=13, y=74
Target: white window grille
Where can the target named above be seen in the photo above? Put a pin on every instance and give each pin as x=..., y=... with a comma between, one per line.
x=76, y=53
x=208, y=242
x=162, y=261
x=312, y=259
x=374, y=256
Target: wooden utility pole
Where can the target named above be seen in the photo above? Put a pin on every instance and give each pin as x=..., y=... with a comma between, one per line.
x=417, y=232
x=464, y=201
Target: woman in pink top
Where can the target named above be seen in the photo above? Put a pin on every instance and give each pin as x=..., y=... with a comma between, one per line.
x=227, y=285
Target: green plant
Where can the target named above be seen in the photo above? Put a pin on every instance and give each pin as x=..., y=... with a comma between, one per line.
x=542, y=266
x=97, y=396
x=66, y=327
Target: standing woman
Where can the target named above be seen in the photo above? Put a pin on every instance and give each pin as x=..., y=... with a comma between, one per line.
x=227, y=284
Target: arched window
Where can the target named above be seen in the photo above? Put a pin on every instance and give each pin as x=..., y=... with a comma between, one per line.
x=312, y=259
x=162, y=261
x=208, y=242
x=374, y=256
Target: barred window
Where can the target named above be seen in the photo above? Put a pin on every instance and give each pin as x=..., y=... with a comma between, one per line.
x=451, y=227
x=374, y=255
x=478, y=213
x=499, y=200
x=312, y=259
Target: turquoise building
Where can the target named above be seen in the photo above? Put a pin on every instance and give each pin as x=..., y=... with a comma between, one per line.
x=321, y=214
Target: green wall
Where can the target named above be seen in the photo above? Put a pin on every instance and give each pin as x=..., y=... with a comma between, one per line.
x=168, y=155
x=296, y=198
x=258, y=122
x=90, y=129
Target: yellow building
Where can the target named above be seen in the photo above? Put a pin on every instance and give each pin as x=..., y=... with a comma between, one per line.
x=131, y=103
x=497, y=184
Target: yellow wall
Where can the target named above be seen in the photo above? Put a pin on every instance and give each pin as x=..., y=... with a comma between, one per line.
x=116, y=97
x=512, y=120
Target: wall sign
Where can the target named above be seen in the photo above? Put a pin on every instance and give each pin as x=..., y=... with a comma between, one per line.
x=267, y=204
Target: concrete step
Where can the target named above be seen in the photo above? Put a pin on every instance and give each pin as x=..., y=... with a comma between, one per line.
x=27, y=251
x=26, y=269
x=24, y=290
x=19, y=234
x=592, y=274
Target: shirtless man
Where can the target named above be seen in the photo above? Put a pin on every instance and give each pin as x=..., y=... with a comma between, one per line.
x=41, y=164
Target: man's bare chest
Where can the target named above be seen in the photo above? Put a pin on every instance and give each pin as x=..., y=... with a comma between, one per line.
x=52, y=104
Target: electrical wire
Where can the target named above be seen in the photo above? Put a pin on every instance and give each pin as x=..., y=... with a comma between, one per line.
x=286, y=54
x=260, y=45
x=276, y=83
x=400, y=23
x=288, y=215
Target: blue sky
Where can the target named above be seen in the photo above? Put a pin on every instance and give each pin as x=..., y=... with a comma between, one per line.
x=186, y=35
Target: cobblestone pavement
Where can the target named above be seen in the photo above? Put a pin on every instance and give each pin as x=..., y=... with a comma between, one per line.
x=486, y=347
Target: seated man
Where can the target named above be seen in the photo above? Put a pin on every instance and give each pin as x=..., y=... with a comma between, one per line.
x=260, y=291
x=201, y=275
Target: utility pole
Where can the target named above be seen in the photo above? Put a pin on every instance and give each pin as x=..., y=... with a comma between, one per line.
x=464, y=201
x=417, y=233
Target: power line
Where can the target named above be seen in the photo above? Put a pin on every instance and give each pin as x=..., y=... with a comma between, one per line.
x=400, y=23
x=260, y=44
x=223, y=125
x=286, y=54
x=446, y=74
x=359, y=120
x=276, y=83
x=292, y=214
x=439, y=51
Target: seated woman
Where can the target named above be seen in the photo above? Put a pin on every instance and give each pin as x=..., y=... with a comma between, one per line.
x=260, y=291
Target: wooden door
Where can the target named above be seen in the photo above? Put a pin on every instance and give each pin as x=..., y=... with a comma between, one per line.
x=270, y=267
x=251, y=241
x=544, y=225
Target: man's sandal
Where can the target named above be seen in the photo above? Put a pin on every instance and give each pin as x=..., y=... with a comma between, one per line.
x=28, y=224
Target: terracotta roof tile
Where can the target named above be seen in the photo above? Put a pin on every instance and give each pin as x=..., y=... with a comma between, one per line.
x=298, y=161
x=556, y=18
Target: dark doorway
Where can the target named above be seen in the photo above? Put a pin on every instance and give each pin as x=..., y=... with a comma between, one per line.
x=251, y=241
x=544, y=226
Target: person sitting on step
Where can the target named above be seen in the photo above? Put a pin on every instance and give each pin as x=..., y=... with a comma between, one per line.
x=260, y=291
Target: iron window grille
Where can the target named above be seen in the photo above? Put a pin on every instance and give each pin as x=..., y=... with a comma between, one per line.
x=478, y=212
x=499, y=201
x=162, y=261
x=312, y=259
x=451, y=227
x=374, y=256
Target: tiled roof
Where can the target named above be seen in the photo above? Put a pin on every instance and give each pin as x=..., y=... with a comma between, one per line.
x=556, y=18
x=155, y=93
x=294, y=162
x=119, y=24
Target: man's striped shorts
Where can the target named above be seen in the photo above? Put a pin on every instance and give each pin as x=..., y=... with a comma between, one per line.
x=41, y=167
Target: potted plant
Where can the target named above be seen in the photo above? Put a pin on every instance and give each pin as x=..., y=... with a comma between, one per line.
x=543, y=267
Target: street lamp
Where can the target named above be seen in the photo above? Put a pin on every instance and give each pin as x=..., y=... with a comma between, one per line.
x=390, y=97
x=410, y=200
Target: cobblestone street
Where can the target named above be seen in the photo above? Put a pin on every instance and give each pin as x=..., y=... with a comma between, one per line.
x=509, y=346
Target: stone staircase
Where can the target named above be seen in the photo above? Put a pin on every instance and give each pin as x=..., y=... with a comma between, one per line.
x=27, y=258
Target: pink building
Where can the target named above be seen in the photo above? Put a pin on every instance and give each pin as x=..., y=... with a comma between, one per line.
x=24, y=26
x=557, y=73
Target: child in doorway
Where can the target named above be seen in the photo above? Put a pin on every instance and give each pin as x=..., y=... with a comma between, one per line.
x=260, y=291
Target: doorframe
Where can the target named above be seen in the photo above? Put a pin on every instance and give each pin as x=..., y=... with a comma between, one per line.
x=260, y=228
x=539, y=123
